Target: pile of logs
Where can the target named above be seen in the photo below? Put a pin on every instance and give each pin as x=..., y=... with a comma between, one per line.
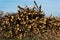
x=29, y=23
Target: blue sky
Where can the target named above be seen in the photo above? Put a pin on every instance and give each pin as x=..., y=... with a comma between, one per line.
x=49, y=6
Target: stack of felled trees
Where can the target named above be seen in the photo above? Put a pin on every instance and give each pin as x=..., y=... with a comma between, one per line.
x=30, y=23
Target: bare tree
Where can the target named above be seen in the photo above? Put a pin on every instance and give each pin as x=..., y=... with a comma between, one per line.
x=1, y=13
